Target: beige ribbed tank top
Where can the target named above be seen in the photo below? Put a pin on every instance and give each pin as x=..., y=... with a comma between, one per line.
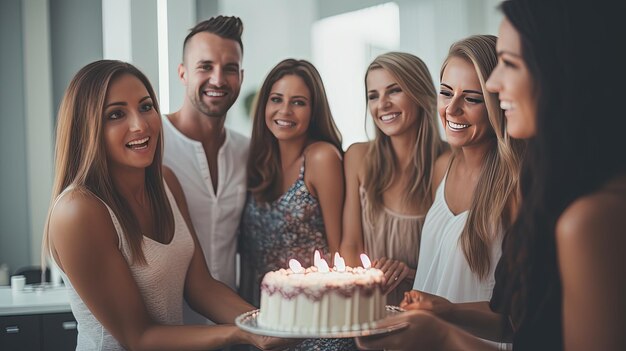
x=392, y=235
x=161, y=281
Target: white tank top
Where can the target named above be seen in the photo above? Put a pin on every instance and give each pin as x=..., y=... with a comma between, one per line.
x=442, y=268
x=161, y=281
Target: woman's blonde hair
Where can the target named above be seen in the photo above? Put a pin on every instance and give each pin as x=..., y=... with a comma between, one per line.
x=412, y=75
x=264, y=170
x=81, y=160
x=498, y=186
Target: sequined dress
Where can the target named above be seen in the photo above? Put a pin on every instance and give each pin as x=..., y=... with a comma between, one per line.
x=272, y=233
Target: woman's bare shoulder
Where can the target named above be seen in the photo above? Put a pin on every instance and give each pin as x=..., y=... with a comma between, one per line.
x=78, y=204
x=597, y=216
x=356, y=153
x=358, y=150
x=79, y=213
x=354, y=159
x=322, y=152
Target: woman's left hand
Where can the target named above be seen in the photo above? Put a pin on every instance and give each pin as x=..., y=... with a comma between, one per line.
x=395, y=272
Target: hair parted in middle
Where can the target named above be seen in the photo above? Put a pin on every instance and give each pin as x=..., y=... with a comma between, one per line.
x=498, y=186
x=413, y=76
x=80, y=154
x=264, y=170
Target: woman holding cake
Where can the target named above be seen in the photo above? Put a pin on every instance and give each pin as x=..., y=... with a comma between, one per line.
x=560, y=283
x=295, y=181
x=119, y=229
x=389, y=179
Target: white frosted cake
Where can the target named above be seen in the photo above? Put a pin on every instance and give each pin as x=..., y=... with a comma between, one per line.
x=312, y=301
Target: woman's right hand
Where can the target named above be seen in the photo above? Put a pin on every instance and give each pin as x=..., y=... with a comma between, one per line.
x=419, y=300
x=423, y=331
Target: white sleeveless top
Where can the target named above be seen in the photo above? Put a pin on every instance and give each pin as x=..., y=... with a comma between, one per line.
x=160, y=281
x=442, y=268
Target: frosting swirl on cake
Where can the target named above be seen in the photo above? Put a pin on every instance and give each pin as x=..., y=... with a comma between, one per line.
x=315, y=284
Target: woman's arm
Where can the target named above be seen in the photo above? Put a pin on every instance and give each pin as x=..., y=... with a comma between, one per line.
x=85, y=245
x=324, y=177
x=474, y=317
x=591, y=237
x=424, y=331
x=352, y=240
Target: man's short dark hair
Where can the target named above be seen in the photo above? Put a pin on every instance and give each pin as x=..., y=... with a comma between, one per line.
x=227, y=27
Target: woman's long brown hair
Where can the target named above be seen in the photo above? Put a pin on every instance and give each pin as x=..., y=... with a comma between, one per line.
x=264, y=171
x=81, y=160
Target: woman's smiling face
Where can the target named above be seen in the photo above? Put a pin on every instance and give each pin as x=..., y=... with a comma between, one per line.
x=513, y=82
x=131, y=124
x=393, y=110
x=461, y=105
x=288, y=108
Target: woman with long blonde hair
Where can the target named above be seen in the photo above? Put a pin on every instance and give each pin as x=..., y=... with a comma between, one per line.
x=388, y=179
x=119, y=229
x=476, y=186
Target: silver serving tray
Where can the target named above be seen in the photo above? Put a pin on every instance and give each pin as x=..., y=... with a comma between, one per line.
x=248, y=322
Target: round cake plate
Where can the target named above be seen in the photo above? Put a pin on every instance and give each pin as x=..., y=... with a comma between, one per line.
x=248, y=322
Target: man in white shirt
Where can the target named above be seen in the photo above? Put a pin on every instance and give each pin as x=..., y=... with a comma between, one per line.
x=209, y=159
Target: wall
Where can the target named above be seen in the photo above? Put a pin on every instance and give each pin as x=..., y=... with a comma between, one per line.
x=47, y=42
x=75, y=40
x=14, y=220
x=181, y=17
x=327, y=8
x=273, y=31
x=429, y=27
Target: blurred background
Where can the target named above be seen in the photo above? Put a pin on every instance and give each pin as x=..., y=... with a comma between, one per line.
x=43, y=43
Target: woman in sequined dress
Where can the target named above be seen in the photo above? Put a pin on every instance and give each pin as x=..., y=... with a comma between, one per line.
x=295, y=182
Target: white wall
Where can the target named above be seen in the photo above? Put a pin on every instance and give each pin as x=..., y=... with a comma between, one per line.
x=181, y=17
x=344, y=45
x=273, y=30
x=429, y=27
